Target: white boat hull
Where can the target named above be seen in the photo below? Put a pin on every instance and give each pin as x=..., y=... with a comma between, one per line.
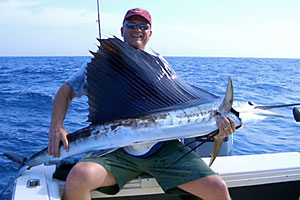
x=237, y=171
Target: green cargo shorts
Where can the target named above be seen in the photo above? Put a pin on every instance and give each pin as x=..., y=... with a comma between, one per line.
x=126, y=167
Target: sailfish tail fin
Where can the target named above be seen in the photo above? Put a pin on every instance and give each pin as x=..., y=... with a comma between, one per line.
x=16, y=158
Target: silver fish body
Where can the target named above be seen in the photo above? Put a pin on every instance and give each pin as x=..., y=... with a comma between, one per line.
x=190, y=122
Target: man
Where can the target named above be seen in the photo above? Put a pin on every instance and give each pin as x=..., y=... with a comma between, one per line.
x=190, y=174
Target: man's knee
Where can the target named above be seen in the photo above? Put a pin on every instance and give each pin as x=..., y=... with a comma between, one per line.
x=83, y=178
x=80, y=173
x=78, y=176
x=210, y=187
x=220, y=187
x=90, y=176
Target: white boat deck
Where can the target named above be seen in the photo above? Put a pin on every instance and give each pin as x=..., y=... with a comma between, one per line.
x=236, y=171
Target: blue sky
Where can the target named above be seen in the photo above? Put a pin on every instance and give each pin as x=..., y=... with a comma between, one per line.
x=222, y=28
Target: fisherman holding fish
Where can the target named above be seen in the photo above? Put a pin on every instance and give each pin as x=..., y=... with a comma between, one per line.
x=111, y=172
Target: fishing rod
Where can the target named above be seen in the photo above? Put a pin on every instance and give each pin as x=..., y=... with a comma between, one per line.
x=99, y=20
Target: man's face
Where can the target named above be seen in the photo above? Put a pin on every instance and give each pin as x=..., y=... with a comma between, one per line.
x=136, y=37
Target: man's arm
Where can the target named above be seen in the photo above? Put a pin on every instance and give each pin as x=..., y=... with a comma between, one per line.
x=57, y=133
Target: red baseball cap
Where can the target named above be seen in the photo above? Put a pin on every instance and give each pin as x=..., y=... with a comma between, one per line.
x=139, y=12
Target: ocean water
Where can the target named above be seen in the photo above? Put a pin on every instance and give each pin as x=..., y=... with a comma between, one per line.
x=28, y=86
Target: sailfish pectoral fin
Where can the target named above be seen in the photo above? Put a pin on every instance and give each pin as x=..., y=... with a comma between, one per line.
x=217, y=147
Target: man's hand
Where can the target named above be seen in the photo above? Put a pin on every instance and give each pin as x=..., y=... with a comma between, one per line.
x=226, y=126
x=57, y=135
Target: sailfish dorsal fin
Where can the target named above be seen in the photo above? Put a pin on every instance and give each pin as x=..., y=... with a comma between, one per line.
x=125, y=82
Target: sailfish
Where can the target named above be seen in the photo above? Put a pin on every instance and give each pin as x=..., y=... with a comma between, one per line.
x=146, y=86
x=136, y=98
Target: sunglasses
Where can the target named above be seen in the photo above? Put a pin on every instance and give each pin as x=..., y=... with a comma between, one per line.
x=132, y=25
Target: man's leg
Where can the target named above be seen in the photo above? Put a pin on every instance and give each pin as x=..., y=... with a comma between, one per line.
x=209, y=187
x=85, y=177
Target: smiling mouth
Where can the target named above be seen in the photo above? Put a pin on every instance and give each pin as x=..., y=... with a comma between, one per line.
x=136, y=36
